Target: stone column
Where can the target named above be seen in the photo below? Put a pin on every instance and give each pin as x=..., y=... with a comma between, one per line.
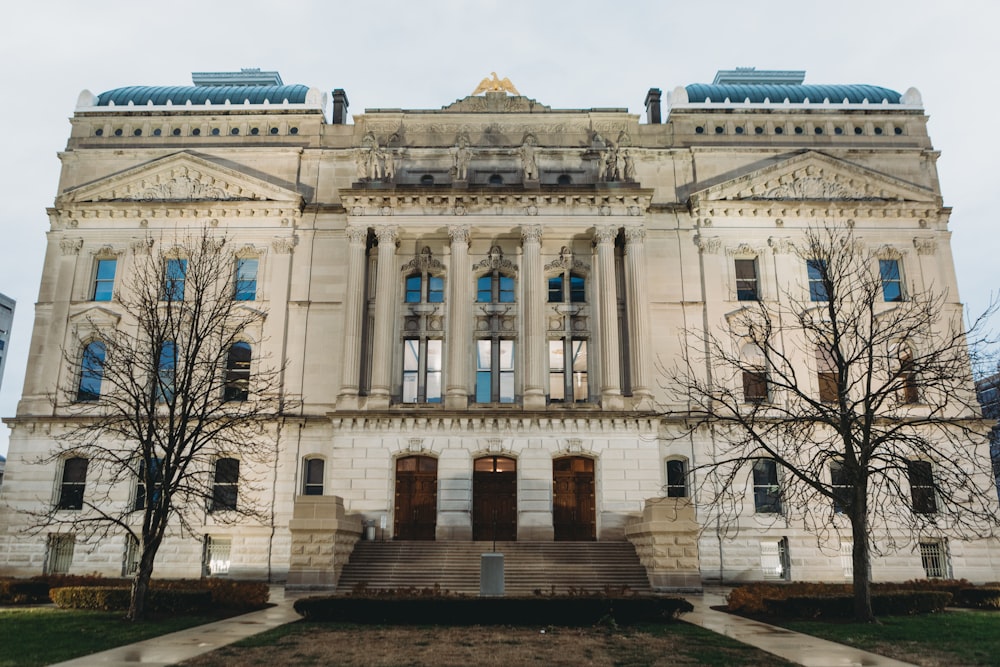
x=354, y=301
x=277, y=295
x=611, y=393
x=459, y=337
x=386, y=278
x=532, y=278
x=638, y=315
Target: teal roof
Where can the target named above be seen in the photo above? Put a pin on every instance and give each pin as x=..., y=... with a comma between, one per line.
x=699, y=93
x=178, y=95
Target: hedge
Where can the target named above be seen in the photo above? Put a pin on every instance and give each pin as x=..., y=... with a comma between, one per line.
x=979, y=598
x=23, y=591
x=894, y=603
x=545, y=611
x=117, y=599
x=749, y=598
x=228, y=593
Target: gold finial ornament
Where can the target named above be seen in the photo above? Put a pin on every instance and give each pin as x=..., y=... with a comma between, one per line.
x=495, y=85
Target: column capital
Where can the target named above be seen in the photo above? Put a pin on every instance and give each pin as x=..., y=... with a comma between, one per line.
x=387, y=234
x=605, y=234
x=357, y=234
x=459, y=233
x=531, y=233
x=636, y=234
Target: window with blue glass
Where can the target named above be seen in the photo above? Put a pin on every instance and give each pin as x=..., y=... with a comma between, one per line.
x=495, y=288
x=818, y=280
x=104, y=280
x=892, y=284
x=495, y=348
x=238, y=372
x=173, y=280
x=577, y=292
x=746, y=280
x=166, y=371
x=148, y=485
x=91, y=372
x=424, y=288
x=246, y=279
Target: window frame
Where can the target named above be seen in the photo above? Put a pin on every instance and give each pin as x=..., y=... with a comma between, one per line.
x=60, y=550
x=104, y=281
x=931, y=551
x=174, y=279
x=216, y=546
x=91, y=377
x=816, y=274
x=827, y=377
x=425, y=379
x=139, y=503
x=244, y=288
x=674, y=488
x=887, y=281
x=750, y=289
x=920, y=476
x=312, y=488
x=225, y=485
x=766, y=491
x=72, y=491
x=575, y=380
x=839, y=487
x=237, y=374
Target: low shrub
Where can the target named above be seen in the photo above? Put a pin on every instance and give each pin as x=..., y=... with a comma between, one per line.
x=227, y=593
x=23, y=591
x=117, y=599
x=979, y=598
x=544, y=611
x=749, y=598
x=890, y=603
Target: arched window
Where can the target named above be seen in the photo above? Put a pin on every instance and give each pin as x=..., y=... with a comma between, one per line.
x=238, y=372
x=91, y=372
x=313, y=473
x=676, y=486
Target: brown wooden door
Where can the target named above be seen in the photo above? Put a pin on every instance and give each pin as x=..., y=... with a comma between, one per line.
x=494, y=499
x=415, y=516
x=574, y=508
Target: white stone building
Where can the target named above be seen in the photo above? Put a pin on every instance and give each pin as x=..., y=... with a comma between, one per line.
x=472, y=303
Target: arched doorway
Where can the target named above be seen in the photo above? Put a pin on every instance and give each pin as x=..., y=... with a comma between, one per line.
x=574, y=507
x=415, y=516
x=494, y=499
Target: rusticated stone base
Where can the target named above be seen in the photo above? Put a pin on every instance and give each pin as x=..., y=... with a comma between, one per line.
x=665, y=537
x=323, y=537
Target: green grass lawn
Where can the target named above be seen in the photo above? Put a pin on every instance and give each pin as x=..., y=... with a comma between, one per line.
x=43, y=635
x=951, y=638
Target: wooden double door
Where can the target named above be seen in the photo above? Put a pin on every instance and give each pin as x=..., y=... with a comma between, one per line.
x=415, y=515
x=574, y=507
x=494, y=499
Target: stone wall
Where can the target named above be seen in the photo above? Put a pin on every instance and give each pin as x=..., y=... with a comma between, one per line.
x=323, y=537
x=665, y=536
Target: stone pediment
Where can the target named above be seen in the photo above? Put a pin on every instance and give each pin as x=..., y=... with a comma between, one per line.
x=815, y=177
x=496, y=102
x=180, y=177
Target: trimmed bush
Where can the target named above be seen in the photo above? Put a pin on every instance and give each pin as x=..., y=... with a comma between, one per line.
x=893, y=603
x=117, y=599
x=749, y=598
x=979, y=598
x=544, y=611
x=23, y=591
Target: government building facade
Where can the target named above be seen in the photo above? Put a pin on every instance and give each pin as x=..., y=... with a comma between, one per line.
x=476, y=309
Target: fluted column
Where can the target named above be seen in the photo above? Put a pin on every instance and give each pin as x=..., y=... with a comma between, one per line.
x=354, y=301
x=611, y=392
x=532, y=276
x=638, y=314
x=386, y=278
x=55, y=333
x=459, y=341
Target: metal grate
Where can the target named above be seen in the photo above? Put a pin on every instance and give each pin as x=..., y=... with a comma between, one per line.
x=60, y=553
x=932, y=557
x=847, y=558
x=217, y=551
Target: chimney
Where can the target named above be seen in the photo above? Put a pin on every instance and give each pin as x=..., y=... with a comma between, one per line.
x=653, y=106
x=339, y=106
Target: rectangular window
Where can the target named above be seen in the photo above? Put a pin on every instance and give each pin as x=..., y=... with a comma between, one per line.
x=173, y=280
x=130, y=562
x=577, y=288
x=413, y=289
x=411, y=368
x=746, y=280
x=226, y=484
x=826, y=375
x=422, y=363
x=494, y=371
x=934, y=559
x=774, y=559
x=433, y=371
x=104, y=281
x=60, y=554
x=676, y=479
x=557, y=371
x=154, y=481
x=817, y=280
x=314, y=470
x=847, y=559
x=766, y=492
x=217, y=550
x=246, y=279
x=892, y=285
x=921, y=478
x=556, y=289
x=841, y=489
x=166, y=371
x=74, y=481
x=435, y=289
x=755, y=386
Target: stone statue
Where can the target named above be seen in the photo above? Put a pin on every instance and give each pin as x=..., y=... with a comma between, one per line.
x=529, y=164
x=495, y=85
x=462, y=155
x=612, y=164
x=361, y=164
x=629, y=167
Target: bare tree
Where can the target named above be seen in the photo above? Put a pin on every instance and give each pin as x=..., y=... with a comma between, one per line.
x=163, y=396
x=860, y=391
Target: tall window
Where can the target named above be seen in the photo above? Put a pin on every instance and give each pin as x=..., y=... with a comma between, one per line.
x=826, y=374
x=91, y=372
x=754, y=375
x=74, y=480
x=495, y=355
x=148, y=486
x=908, y=390
x=766, y=492
x=422, y=370
x=313, y=476
x=921, y=478
x=576, y=284
x=423, y=354
x=841, y=489
x=816, y=269
x=892, y=285
x=746, y=280
x=225, y=486
x=173, y=280
x=238, y=372
x=568, y=370
x=166, y=371
x=104, y=280
x=60, y=554
x=246, y=279
x=676, y=479
x=130, y=561
x=423, y=288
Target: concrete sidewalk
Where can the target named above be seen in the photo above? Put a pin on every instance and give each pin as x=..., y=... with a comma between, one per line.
x=793, y=646
x=185, y=644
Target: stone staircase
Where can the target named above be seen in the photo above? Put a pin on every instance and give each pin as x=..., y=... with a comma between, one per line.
x=528, y=566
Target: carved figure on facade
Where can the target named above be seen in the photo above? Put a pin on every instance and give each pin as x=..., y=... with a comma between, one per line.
x=461, y=156
x=495, y=260
x=529, y=164
x=629, y=172
x=567, y=261
x=70, y=246
x=182, y=186
x=372, y=162
x=423, y=262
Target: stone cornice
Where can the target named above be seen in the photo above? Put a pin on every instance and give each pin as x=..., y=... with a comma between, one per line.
x=490, y=422
x=627, y=202
x=202, y=211
x=818, y=209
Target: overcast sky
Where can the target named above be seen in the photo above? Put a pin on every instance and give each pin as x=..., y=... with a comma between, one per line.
x=416, y=55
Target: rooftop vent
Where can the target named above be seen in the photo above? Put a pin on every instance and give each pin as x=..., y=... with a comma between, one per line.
x=772, y=77
x=248, y=76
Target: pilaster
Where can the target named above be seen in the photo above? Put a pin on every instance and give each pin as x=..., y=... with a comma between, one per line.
x=638, y=315
x=534, y=318
x=385, y=302
x=353, y=317
x=611, y=393
x=456, y=388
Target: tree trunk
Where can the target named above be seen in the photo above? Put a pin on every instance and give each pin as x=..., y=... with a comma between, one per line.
x=861, y=560
x=140, y=587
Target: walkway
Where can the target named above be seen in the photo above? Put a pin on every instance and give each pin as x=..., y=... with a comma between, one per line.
x=793, y=646
x=185, y=644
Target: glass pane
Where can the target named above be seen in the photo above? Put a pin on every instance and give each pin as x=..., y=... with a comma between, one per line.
x=557, y=361
x=555, y=289
x=434, y=387
x=504, y=464
x=91, y=372
x=506, y=289
x=435, y=292
x=75, y=471
x=411, y=354
x=507, y=355
x=105, y=281
x=227, y=471
x=817, y=289
x=483, y=387
x=483, y=355
x=557, y=388
x=507, y=387
x=410, y=387
x=174, y=279
x=891, y=284
x=413, y=289
x=746, y=279
x=579, y=355
x=765, y=473
x=314, y=471
x=577, y=288
x=581, y=390
x=433, y=355
x=484, y=289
